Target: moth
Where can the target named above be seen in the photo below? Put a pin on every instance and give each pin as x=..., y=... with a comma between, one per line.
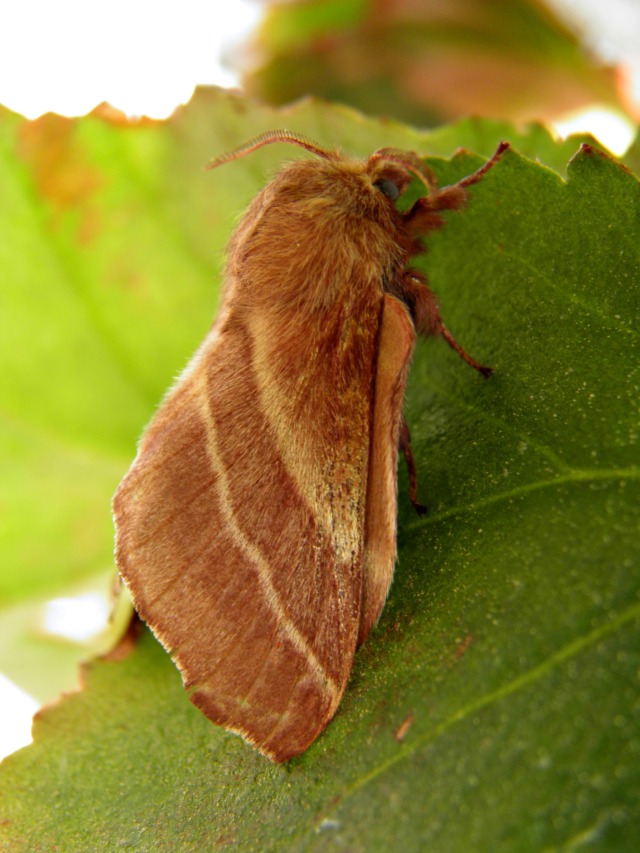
x=256, y=527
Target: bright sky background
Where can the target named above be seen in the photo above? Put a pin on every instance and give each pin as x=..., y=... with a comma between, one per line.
x=145, y=58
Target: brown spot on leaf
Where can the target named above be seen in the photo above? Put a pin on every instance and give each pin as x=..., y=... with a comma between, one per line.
x=463, y=646
x=105, y=112
x=49, y=147
x=403, y=728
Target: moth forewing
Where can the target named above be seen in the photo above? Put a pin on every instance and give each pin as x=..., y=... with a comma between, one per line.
x=226, y=560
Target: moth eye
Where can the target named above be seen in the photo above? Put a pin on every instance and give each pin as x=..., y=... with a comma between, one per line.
x=388, y=188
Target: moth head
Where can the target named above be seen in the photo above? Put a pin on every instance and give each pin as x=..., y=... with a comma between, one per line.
x=392, y=171
x=389, y=169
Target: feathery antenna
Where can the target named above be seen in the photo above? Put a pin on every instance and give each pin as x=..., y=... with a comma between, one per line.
x=267, y=138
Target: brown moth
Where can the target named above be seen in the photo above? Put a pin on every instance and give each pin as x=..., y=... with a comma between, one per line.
x=256, y=527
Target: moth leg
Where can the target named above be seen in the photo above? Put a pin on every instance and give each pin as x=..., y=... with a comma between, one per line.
x=405, y=446
x=424, y=216
x=491, y=162
x=448, y=337
x=423, y=306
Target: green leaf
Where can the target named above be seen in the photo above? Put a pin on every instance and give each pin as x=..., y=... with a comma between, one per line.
x=506, y=659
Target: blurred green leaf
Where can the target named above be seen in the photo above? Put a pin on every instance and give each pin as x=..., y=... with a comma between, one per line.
x=426, y=62
x=509, y=649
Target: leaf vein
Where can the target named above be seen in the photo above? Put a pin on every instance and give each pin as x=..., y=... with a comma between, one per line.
x=575, y=476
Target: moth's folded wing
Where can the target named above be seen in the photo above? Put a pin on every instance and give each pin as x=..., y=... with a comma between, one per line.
x=242, y=547
x=395, y=346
